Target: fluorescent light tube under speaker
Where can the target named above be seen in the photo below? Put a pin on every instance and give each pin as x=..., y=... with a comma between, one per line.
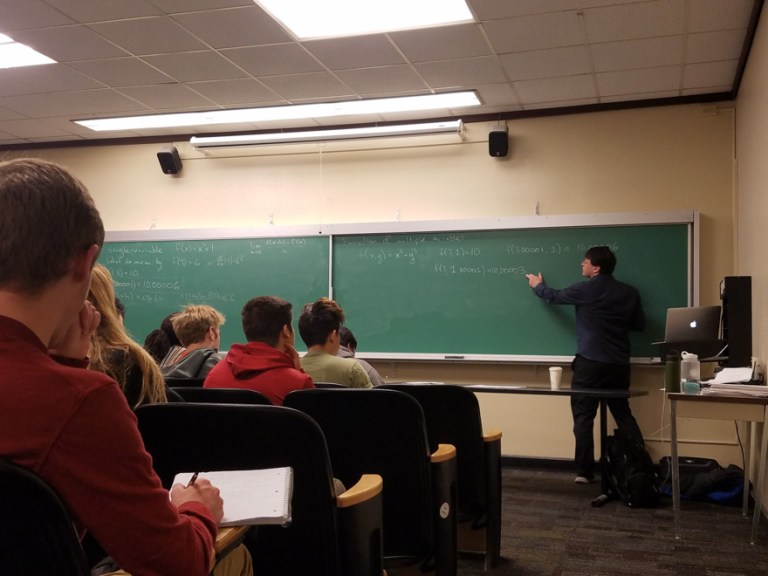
x=453, y=126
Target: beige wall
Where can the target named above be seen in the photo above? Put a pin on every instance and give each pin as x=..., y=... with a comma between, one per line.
x=644, y=160
x=751, y=146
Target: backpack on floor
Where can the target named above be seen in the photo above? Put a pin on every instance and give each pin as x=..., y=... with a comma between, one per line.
x=630, y=470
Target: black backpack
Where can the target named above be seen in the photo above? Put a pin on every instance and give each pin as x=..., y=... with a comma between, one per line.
x=630, y=471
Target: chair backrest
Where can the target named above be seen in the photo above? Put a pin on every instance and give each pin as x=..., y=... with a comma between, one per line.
x=382, y=432
x=189, y=437
x=329, y=385
x=452, y=415
x=36, y=532
x=222, y=395
x=184, y=382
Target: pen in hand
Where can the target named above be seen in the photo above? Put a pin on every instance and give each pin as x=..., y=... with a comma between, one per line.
x=192, y=480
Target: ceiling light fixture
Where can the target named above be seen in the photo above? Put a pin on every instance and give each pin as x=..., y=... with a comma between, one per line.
x=453, y=126
x=310, y=19
x=15, y=55
x=445, y=100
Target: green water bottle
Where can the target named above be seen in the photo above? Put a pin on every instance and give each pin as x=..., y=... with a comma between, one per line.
x=672, y=372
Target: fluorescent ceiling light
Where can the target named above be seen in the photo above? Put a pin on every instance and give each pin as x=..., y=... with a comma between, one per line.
x=307, y=19
x=454, y=126
x=281, y=113
x=15, y=55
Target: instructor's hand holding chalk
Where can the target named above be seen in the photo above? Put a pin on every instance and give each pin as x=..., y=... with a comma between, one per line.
x=534, y=279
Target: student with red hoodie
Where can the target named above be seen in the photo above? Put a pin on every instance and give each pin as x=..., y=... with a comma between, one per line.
x=268, y=363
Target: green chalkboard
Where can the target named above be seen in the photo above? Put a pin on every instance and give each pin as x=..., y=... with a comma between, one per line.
x=465, y=293
x=156, y=278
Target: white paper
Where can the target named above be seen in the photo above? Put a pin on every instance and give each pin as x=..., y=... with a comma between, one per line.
x=732, y=375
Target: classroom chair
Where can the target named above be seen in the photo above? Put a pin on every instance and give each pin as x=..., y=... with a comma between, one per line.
x=383, y=431
x=184, y=382
x=329, y=385
x=222, y=395
x=37, y=535
x=328, y=535
x=453, y=417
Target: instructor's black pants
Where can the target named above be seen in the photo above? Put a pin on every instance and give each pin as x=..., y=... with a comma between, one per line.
x=588, y=374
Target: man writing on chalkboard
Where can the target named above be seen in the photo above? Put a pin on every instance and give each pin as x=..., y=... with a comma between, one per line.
x=606, y=311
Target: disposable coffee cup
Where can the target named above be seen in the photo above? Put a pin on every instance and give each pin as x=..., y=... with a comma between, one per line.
x=555, y=375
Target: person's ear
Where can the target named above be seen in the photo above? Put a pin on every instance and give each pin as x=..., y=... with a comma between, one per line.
x=83, y=263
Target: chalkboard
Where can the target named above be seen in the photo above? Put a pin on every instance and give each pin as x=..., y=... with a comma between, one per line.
x=156, y=278
x=465, y=292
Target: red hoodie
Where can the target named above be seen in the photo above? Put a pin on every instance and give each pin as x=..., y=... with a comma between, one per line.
x=258, y=366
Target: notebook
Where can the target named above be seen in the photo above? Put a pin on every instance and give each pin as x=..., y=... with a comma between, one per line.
x=251, y=496
x=692, y=324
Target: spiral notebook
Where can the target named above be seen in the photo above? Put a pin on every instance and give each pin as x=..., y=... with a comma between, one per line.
x=251, y=496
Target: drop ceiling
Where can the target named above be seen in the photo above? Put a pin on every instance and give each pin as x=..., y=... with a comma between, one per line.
x=522, y=57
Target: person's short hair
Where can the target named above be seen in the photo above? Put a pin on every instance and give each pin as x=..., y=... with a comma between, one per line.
x=318, y=320
x=602, y=256
x=346, y=338
x=47, y=217
x=263, y=318
x=191, y=325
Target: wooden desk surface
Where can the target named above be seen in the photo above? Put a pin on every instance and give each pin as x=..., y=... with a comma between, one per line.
x=545, y=391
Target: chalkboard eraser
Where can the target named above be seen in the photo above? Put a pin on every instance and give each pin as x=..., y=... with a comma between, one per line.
x=454, y=357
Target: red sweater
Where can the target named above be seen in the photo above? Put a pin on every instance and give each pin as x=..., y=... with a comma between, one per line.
x=74, y=428
x=258, y=366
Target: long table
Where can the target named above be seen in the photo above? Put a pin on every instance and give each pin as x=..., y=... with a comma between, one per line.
x=602, y=395
x=750, y=409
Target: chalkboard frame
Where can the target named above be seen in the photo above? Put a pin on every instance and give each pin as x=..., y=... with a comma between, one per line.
x=689, y=218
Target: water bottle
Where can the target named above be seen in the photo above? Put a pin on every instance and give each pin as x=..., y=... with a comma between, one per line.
x=690, y=368
x=672, y=372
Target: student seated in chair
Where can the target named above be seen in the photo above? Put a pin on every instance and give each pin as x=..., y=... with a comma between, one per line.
x=347, y=350
x=70, y=425
x=198, y=328
x=319, y=325
x=268, y=363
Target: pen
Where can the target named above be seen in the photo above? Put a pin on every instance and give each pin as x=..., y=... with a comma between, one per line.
x=192, y=480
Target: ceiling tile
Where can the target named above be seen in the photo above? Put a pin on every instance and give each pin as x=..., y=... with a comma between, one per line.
x=709, y=15
x=275, y=60
x=149, y=36
x=497, y=95
x=555, y=89
x=68, y=43
x=307, y=86
x=464, y=72
x=237, y=92
x=83, y=104
x=441, y=43
x=645, y=53
x=639, y=81
x=48, y=78
x=31, y=129
x=712, y=46
x=495, y=10
x=546, y=63
x=382, y=79
x=357, y=52
x=635, y=20
x=535, y=32
x=709, y=74
x=245, y=26
x=180, y=6
x=18, y=15
x=122, y=72
x=167, y=96
x=195, y=66
x=101, y=10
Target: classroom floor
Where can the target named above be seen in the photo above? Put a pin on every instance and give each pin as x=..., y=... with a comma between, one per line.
x=550, y=529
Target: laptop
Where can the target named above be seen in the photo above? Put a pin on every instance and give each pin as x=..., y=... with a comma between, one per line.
x=692, y=324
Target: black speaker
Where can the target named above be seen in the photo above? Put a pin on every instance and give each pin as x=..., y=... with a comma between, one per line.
x=498, y=142
x=170, y=162
x=736, y=294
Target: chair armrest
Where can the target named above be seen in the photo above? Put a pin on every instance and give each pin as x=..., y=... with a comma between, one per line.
x=444, y=506
x=491, y=435
x=443, y=453
x=492, y=501
x=360, y=527
x=366, y=488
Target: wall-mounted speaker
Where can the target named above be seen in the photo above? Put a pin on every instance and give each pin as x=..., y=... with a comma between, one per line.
x=498, y=142
x=170, y=162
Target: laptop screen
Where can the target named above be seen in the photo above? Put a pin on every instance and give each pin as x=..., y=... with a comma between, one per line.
x=692, y=324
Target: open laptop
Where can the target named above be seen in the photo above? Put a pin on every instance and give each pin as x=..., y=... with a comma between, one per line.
x=692, y=324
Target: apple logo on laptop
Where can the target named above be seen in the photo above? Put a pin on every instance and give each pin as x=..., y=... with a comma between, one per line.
x=693, y=324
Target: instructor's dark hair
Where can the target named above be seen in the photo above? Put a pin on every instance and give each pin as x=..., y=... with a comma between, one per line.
x=603, y=257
